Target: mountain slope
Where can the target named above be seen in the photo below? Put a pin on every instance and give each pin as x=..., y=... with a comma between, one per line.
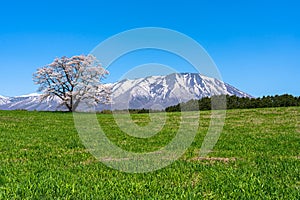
x=32, y=102
x=164, y=91
x=156, y=92
x=3, y=100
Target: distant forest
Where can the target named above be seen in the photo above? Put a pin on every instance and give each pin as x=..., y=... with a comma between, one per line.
x=234, y=102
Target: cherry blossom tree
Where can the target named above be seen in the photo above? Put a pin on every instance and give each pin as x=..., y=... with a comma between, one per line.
x=73, y=80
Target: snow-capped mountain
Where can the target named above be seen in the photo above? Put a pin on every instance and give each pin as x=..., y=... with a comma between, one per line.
x=156, y=92
x=164, y=91
x=32, y=102
x=3, y=100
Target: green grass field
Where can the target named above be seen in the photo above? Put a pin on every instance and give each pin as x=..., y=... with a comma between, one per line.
x=257, y=157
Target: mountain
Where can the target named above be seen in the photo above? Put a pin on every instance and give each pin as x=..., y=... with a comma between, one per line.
x=164, y=91
x=32, y=102
x=156, y=92
x=3, y=100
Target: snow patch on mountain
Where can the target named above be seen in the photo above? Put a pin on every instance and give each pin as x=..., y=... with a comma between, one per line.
x=3, y=100
x=29, y=95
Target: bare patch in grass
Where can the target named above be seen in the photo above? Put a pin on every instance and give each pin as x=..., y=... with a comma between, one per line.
x=22, y=160
x=213, y=159
x=89, y=161
x=74, y=151
x=114, y=159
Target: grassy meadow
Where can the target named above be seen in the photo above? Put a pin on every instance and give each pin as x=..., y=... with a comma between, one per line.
x=257, y=157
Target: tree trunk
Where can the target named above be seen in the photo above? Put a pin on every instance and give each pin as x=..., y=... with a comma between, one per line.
x=70, y=108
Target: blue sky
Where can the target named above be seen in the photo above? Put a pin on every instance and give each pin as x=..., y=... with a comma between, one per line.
x=255, y=44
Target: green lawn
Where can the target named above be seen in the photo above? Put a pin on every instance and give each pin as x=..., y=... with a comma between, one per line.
x=256, y=157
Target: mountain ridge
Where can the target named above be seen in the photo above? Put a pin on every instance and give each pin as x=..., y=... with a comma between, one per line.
x=152, y=92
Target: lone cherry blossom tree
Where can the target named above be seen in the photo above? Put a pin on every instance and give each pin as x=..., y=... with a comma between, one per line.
x=73, y=80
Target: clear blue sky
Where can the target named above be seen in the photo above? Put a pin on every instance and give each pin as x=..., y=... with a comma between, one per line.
x=255, y=44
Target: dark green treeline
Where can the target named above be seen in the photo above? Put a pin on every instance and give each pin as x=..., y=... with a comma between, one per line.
x=234, y=102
